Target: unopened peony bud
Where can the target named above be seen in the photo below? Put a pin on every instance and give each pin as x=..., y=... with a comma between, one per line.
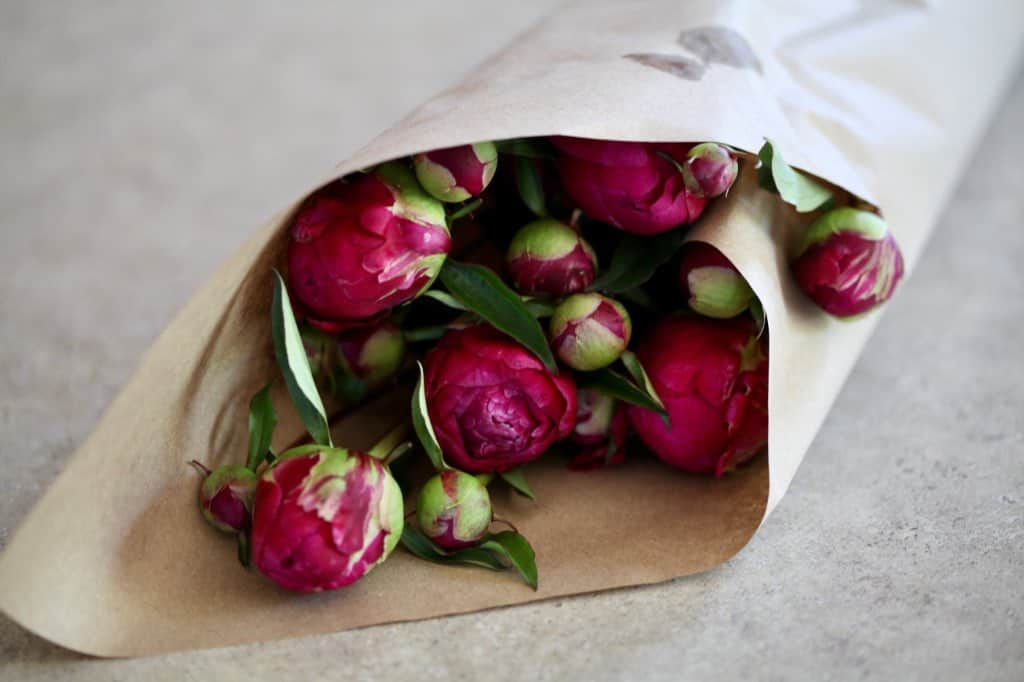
x=454, y=509
x=225, y=497
x=712, y=376
x=549, y=258
x=714, y=167
x=601, y=431
x=373, y=354
x=849, y=262
x=589, y=331
x=322, y=519
x=457, y=173
x=711, y=284
x=360, y=248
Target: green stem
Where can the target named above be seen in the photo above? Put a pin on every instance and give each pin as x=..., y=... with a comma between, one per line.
x=391, y=440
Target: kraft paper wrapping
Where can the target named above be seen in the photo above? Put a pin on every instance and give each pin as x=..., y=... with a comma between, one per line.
x=884, y=99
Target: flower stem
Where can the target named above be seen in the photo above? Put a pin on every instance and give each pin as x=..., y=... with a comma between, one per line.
x=200, y=467
x=391, y=440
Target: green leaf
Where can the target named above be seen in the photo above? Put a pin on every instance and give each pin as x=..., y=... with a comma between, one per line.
x=419, y=545
x=291, y=358
x=244, y=550
x=446, y=298
x=539, y=308
x=517, y=550
x=612, y=383
x=526, y=147
x=635, y=261
x=775, y=175
x=422, y=426
x=262, y=420
x=636, y=370
x=517, y=479
x=481, y=291
x=531, y=189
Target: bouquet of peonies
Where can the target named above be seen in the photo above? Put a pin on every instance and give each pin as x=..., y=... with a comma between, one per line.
x=575, y=317
x=602, y=332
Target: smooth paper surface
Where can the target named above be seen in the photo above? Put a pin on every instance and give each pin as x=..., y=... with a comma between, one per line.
x=884, y=99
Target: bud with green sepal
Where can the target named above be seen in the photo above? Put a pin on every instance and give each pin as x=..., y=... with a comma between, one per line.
x=848, y=262
x=589, y=331
x=712, y=285
x=225, y=496
x=714, y=167
x=550, y=258
x=454, y=509
x=457, y=173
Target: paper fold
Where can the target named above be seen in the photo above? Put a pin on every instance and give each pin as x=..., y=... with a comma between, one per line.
x=885, y=99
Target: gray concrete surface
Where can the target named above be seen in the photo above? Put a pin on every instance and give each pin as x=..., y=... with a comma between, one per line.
x=140, y=142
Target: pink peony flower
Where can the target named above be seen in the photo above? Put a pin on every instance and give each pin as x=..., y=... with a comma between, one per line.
x=492, y=403
x=712, y=376
x=323, y=517
x=358, y=249
x=629, y=184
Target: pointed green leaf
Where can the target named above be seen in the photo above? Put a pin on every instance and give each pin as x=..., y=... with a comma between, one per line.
x=775, y=175
x=431, y=333
x=517, y=479
x=517, y=550
x=480, y=290
x=530, y=187
x=262, y=420
x=419, y=545
x=446, y=298
x=422, y=426
x=636, y=370
x=635, y=261
x=291, y=358
x=612, y=383
x=244, y=550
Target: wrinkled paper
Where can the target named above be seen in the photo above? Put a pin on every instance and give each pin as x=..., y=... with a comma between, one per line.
x=884, y=99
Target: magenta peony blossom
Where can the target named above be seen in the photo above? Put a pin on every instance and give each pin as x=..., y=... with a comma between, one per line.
x=492, y=403
x=454, y=509
x=323, y=517
x=629, y=184
x=712, y=376
x=457, y=173
x=849, y=262
x=549, y=258
x=358, y=249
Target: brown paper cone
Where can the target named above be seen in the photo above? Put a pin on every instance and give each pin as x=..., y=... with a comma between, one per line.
x=885, y=100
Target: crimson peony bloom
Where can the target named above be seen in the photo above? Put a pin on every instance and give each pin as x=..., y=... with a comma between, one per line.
x=629, y=184
x=712, y=376
x=323, y=517
x=492, y=403
x=358, y=249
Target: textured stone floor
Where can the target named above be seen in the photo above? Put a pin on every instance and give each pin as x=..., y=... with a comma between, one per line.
x=141, y=142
